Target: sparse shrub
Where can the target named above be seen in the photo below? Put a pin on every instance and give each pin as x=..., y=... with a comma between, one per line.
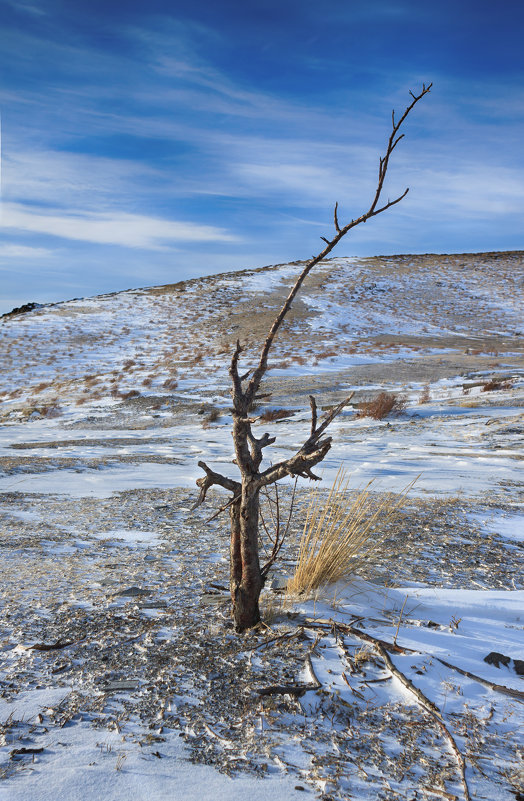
x=211, y=417
x=48, y=410
x=170, y=383
x=275, y=414
x=492, y=385
x=385, y=403
x=425, y=396
x=115, y=393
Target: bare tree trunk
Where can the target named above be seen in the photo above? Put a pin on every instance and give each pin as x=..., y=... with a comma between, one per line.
x=246, y=594
x=235, y=557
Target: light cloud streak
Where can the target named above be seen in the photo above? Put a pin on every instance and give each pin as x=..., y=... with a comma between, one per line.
x=125, y=230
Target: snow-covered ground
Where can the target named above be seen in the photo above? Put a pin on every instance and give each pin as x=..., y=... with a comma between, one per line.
x=106, y=407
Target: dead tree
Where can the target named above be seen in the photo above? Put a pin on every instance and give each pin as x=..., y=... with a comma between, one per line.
x=247, y=576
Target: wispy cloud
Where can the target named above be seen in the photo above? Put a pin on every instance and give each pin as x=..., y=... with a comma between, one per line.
x=27, y=8
x=13, y=251
x=126, y=230
x=66, y=179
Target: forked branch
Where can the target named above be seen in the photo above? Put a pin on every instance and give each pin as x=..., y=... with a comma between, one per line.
x=210, y=479
x=312, y=452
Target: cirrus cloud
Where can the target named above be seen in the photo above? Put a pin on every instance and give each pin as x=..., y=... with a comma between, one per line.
x=111, y=228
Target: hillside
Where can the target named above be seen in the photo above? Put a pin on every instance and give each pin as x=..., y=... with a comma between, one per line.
x=116, y=640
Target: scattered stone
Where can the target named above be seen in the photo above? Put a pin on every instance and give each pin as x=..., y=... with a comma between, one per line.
x=518, y=665
x=160, y=604
x=121, y=685
x=279, y=584
x=494, y=658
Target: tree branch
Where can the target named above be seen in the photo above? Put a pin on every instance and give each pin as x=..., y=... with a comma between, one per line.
x=313, y=405
x=233, y=372
x=312, y=451
x=327, y=419
x=330, y=244
x=257, y=445
x=337, y=226
x=210, y=479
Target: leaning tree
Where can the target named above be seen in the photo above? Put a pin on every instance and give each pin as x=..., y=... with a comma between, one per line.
x=247, y=575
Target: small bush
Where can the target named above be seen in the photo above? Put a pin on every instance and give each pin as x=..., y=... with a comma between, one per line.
x=425, y=396
x=275, y=414
x=115, y=393
x=49, y=410
x=170, y=383
x=211, y=417
x=385, y=403
x=492, y=385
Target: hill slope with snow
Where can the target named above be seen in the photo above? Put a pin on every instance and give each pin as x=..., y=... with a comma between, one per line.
x=115, y=633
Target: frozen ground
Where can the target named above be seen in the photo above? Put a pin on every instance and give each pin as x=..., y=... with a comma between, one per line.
x=121, y=676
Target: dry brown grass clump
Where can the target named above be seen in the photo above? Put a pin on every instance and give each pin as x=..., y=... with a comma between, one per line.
x=340, y=534
x=425, y=395
x=385, y=403
x=492, y=385
x=275, y=414
x=211, y=417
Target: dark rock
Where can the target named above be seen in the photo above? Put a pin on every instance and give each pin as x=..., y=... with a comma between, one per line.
x=134, y=592
x=518, y=665
x=121, y=685
x=27, y=307
x=494, y=658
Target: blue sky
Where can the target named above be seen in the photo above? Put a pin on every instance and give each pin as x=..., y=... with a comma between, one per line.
x=149, y=142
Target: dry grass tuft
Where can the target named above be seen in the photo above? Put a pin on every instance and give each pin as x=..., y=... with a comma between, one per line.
x=489, y=386
x=385, y=403
x=425, y=395
x=275, y=414
x=340, y=534
x=211, y=417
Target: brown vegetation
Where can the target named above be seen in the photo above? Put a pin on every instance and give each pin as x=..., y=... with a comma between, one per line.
x=275, y=414
x=385, y=403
